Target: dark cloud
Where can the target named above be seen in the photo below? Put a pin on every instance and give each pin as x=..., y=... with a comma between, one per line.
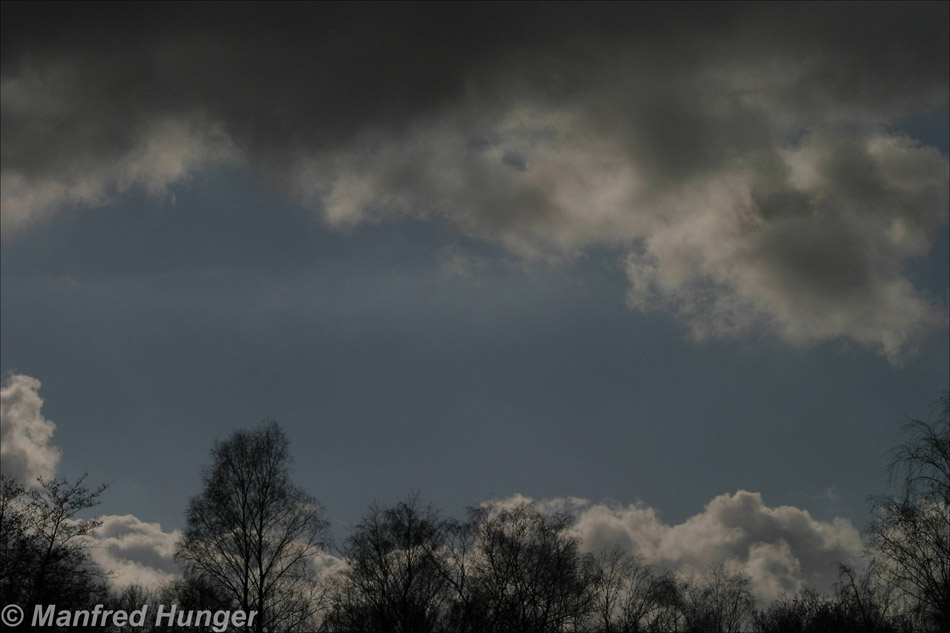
x=740, y=154
x=305, y=77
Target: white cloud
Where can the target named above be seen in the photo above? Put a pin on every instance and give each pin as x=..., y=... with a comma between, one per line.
x=136, y=552
x=782, y=549
x=26, y=452
x=327, y=568
x=142, y=553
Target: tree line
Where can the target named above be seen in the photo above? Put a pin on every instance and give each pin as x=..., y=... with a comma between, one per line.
x=256, y=541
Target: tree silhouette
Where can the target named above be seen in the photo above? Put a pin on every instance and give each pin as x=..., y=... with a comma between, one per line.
x=910, y=533
x=252, y=532
x=628, y=594
x=527, y=574
x=45, y=545
x=396, y=580
x=720, y=601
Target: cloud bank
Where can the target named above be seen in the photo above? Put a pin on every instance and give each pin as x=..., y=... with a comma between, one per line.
x=26, y=451
x=741, y=160
x=782, y=549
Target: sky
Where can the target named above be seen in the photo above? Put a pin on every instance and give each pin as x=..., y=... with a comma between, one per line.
x=681, y=269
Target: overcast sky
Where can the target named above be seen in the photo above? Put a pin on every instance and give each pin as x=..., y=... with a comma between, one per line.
x=688, y=263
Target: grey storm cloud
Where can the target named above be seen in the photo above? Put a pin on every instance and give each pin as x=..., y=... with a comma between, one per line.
x=740, y=159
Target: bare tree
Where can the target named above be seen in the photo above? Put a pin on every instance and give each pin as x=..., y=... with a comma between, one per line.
x=52, y=517
x=527, y=574
x=624, y=591
x=719, y=602
x=468, y=607
x=666, y=613
x=612, y=567
x=862, y=603
x=807, y=611
x=17, y=546
x=397, y=579
x=910, y=534
x=190, y=593
x=45, y=543
x=252, y=532
x=136, y=596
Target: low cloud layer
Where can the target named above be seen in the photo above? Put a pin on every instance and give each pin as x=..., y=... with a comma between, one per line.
x=741, y=160
x=782, y=549
x=26, y=449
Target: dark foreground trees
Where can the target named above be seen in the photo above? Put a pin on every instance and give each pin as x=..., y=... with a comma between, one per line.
x=628, y=595
x=514, y=567
x=44, y=544
x=253, y=540
x=506, y=569
x=527, y=573
x=720, y=602
x=911, y=531
x=906, y=583
x=396, y=581
x=252, y=533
